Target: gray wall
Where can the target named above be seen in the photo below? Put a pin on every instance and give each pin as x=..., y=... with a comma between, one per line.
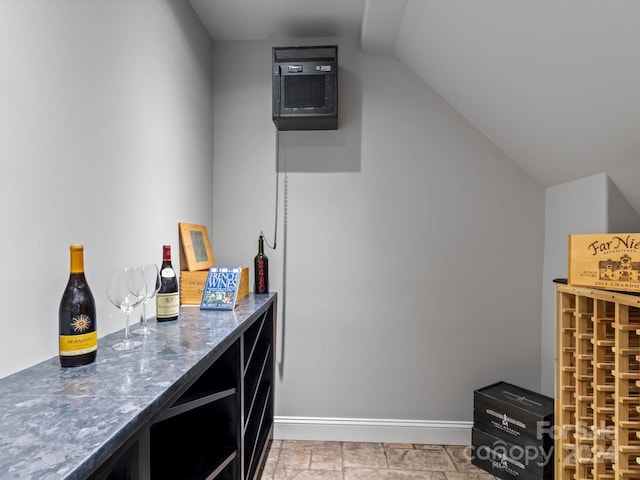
x=574, y=207
x=622, y=217
x=414, y=247
x=589, y=205
x=105, y=139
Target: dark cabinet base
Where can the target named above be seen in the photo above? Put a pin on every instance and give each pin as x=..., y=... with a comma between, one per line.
x=218, y=427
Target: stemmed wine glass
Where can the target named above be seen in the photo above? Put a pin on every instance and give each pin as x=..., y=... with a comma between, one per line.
x=126, y=289
x=152, y=280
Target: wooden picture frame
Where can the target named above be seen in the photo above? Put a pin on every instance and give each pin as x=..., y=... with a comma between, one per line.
x=195, y=247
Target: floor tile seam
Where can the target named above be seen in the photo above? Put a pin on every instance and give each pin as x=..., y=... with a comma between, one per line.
x=386, y=457
x=314, y=451
x=453, y=461
x=275, y=463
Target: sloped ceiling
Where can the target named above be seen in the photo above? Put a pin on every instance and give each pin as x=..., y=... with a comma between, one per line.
x=555, y=84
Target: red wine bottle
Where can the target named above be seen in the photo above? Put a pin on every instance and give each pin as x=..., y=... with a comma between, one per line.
x=261, y=269
x=78, y=338
x=167, y=299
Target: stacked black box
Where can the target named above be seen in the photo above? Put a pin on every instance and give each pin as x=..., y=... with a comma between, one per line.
x=512, y=436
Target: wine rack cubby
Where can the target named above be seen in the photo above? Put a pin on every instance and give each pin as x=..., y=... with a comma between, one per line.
x=597, y=408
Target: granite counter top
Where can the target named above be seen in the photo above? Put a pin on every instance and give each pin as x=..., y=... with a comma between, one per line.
x=60, y=423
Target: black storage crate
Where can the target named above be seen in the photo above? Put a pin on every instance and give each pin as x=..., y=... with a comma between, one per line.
x=514, y=414
x=504, y=414
x=510, y=461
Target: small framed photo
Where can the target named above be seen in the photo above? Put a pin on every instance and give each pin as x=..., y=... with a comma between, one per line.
x=195, y=246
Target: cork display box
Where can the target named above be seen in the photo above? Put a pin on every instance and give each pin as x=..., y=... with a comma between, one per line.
x=610, y=261
x=196, y=256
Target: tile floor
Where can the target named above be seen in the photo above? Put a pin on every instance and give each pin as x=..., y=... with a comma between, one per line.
x=306, y=460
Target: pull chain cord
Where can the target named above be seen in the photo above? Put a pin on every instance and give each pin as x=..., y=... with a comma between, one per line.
x=277, y=152
x=283, y=306
x=283, y=303
x=275, y=226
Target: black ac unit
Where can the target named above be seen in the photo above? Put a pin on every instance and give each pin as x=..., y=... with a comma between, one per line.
x=305, y=88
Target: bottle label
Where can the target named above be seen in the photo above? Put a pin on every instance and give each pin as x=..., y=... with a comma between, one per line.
x=262, y=287
x=261, y=277
x=71, y=345
x=168, y=273
x=167, y=305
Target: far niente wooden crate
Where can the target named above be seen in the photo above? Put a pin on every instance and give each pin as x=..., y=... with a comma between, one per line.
x=192, y=285
x=608, y=260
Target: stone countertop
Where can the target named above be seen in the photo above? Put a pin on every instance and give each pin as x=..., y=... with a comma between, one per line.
x=61, y=423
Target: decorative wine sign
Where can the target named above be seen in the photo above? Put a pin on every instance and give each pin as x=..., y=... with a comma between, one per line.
x=195, y=246
x=221, y=288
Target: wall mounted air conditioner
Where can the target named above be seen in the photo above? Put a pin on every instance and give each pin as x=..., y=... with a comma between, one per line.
x=305, y=88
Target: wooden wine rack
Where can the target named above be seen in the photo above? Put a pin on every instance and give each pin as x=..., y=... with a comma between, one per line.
x=597, y=407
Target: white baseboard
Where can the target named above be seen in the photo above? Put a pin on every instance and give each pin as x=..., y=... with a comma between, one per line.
x=372, y=430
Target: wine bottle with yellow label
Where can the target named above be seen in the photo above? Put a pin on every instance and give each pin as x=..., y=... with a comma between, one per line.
x=77, y=316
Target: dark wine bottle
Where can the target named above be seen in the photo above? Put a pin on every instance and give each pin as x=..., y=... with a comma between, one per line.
x=77, y=336
x=167, y=299
x=261, y=269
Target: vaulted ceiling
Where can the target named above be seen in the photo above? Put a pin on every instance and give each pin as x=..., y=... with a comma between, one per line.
x=555, y=84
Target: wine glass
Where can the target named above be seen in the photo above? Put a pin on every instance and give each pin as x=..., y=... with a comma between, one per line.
x=126, y=289
x=152, y=280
